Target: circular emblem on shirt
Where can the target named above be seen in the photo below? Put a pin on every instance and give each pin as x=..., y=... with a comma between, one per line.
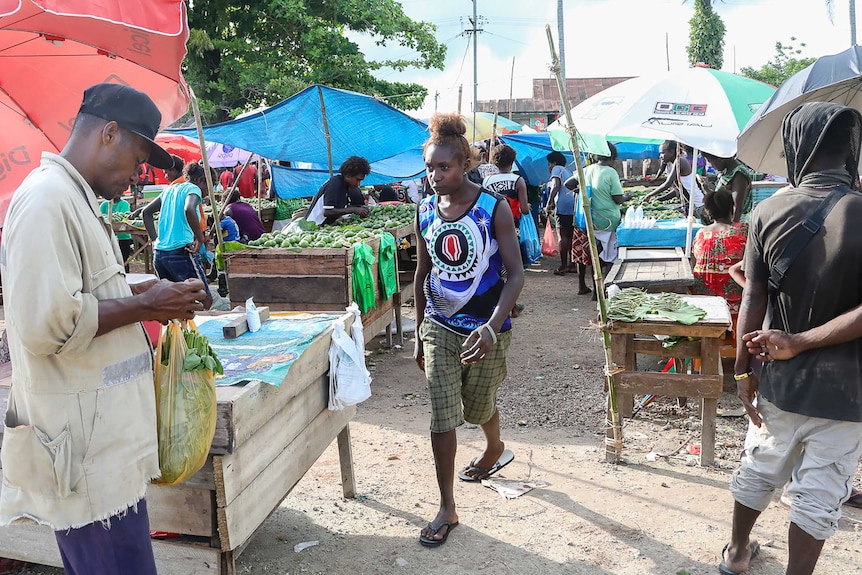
x=454, y=249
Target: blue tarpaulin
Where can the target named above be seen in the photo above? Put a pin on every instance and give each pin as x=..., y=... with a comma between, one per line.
x=303, y=183
x=533, y=148
x=293, y=130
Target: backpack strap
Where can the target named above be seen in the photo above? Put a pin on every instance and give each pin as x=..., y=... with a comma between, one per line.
x=802, y=237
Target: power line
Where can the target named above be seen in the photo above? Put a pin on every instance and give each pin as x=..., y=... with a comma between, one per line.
x=464, y=59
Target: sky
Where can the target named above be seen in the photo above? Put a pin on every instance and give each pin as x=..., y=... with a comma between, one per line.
x=602, y=38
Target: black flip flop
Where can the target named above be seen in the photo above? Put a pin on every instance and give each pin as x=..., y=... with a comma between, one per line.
x=559, y=272
x=484, y=473
x=754, y=546
x=428, y=542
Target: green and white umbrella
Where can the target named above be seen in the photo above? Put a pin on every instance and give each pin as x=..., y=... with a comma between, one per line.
x=703, y=108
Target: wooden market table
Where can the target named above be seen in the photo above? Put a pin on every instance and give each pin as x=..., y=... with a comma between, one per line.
x=314, y=279
x=141, y=243
x=266, y=439
x=628, y=339
x=652, y=269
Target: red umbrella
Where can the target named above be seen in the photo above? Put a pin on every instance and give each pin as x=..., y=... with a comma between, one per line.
x=186, y=148
x=51, y=50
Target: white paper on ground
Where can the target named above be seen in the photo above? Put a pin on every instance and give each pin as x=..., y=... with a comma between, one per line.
x=305, y=545
x=511, y=488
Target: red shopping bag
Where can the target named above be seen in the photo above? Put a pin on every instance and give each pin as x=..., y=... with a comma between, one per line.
x=550, y=247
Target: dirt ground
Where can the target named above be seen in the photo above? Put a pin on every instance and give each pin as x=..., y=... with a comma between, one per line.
x=642, y=517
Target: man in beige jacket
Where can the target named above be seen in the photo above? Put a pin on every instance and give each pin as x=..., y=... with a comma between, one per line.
x=79, y=445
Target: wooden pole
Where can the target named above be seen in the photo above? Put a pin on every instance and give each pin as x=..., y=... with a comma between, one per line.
x=217, y=220
x=614, y=441
x=206, y=163
x=259, y=184
x=667, y=50
x=326, y=130
x=690, y=218
x=511, y=84
x=493, y=137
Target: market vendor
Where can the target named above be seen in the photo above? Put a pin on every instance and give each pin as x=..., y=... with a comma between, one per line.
x=672, y=186
x=246, y=217
x=340, y=195
x=734, y=177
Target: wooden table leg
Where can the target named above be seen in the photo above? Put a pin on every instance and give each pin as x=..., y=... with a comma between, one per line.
x=710, y=364
x=399, y=327
x=623, y=355
x=345, y=458
x=228, y=563
x=707, y=442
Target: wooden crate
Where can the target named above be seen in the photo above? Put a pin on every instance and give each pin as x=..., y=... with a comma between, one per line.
x=315, y=279
x=266, y=439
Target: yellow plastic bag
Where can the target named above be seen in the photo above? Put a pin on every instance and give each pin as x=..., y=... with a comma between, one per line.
x=185, y=403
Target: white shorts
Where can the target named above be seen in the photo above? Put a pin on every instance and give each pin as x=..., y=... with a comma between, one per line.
x=819, y=456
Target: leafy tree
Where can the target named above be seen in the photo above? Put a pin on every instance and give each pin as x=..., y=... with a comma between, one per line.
x=784, y=64
x=244, y=53
x=706, y=36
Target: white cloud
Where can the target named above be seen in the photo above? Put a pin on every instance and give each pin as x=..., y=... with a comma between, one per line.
x=603, y=38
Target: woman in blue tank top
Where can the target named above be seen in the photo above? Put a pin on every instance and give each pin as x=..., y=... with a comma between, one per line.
x=468, y=276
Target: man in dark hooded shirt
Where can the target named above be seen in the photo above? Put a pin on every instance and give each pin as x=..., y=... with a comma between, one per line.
x=806, y=410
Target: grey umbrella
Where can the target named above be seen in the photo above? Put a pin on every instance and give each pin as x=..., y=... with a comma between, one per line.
x=834, y=78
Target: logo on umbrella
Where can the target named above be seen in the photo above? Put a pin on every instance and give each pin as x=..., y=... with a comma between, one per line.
x=674, y=109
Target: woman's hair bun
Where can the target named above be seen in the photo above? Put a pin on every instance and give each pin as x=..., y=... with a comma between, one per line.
x=447, y=125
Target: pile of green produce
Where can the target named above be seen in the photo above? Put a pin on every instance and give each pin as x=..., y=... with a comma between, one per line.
x=123, y=217
x=350, y=229
x=666, y=210
x=264, y=203
x=292, y=204
x=632, y=304
x=386, y=217
x=199, y=355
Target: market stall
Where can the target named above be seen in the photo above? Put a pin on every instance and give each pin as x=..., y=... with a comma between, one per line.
x=141, y=244
x=652, y=269
x=699, y=340
x=317, y=268
x=267, y=437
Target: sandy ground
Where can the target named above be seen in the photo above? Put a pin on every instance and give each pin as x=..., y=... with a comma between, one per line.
x=641, y=517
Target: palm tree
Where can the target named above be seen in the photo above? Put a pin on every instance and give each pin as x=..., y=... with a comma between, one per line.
x=830, y=6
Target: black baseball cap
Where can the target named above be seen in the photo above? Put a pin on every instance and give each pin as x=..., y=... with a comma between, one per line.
x=131, y=110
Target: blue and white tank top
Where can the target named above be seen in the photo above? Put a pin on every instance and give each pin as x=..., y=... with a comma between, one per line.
x=467, y=271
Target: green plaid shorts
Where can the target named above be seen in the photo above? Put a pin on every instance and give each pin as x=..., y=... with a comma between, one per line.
x=460, y=392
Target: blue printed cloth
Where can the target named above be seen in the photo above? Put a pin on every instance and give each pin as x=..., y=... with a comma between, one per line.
x=267, y=354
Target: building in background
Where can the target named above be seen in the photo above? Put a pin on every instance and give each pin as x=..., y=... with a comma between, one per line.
x=544, y=107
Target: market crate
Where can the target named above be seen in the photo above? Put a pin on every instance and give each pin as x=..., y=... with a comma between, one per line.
x=315, y=279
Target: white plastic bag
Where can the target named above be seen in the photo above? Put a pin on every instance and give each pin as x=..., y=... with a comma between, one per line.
x=349, y=379
x=252, y=316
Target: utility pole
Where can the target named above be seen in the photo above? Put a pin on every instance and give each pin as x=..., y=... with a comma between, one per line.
x=436, y=97
x=511, y=83
x=474, y=21
x=667, y=50
x=460, y=91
